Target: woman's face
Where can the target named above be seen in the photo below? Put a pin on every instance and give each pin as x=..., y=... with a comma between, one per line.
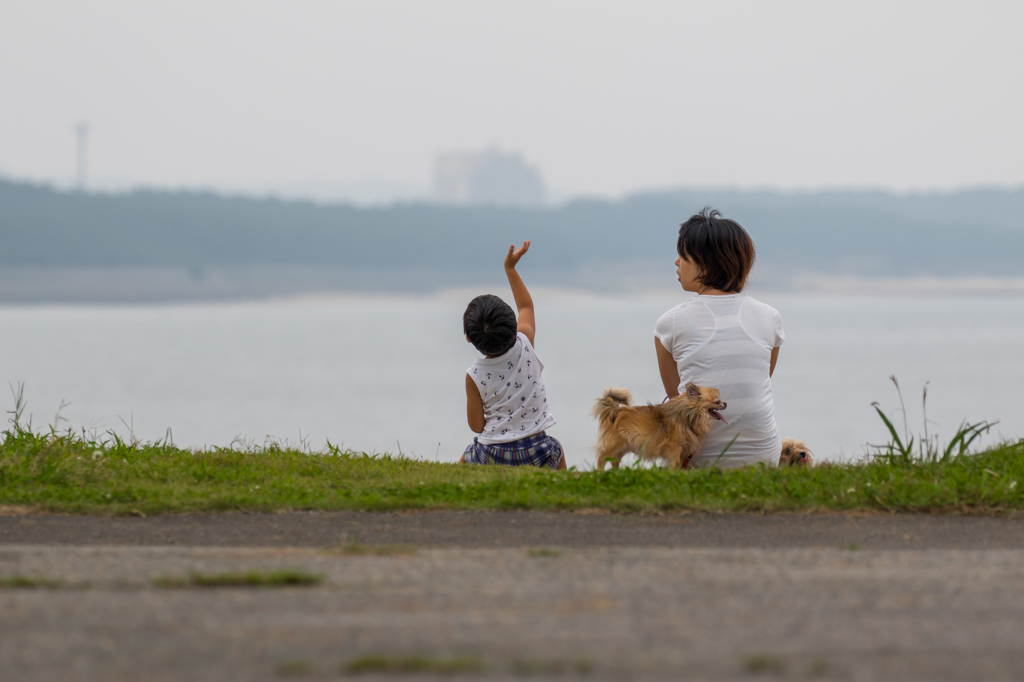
x=688, y=274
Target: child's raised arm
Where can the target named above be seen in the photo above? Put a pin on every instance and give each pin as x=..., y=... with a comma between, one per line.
x=524, y=302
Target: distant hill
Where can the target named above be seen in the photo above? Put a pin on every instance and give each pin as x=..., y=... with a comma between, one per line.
x=584, y=243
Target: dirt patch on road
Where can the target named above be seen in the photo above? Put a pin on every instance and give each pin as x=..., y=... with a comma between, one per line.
x=15, y=510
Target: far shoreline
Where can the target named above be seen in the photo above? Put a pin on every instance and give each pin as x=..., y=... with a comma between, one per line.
x=25, y=287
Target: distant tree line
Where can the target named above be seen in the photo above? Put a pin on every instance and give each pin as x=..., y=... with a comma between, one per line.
x=870, y=234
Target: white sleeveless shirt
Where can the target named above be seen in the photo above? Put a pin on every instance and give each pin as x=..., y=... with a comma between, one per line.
x=512, y=389
x=726, y=342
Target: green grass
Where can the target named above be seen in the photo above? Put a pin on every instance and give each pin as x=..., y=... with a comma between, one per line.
x=413, y=664
x=764, y=664
x=67, y=473
x=359, y=549
x=285, y=578
x=543, y=553
x=28, y=583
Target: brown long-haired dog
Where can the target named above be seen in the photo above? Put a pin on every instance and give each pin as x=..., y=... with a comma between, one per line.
x=672, y=431
x=795, y=453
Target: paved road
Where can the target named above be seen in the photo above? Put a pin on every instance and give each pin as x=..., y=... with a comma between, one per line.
x=521, y=529
x=703, y=597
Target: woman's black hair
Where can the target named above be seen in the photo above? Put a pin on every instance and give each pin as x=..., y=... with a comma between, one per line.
x=490, y=325
x=720, y=248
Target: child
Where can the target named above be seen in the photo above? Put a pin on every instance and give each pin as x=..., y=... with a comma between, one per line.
x=506, y=402
x=724, y=339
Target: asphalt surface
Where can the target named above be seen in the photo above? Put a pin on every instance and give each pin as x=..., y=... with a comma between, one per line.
x=549, y=596
x=481, y=529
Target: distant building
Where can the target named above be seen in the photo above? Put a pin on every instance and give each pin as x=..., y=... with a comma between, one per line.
x=490, y=177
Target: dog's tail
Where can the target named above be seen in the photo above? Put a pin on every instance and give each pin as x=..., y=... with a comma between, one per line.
x=608, y=404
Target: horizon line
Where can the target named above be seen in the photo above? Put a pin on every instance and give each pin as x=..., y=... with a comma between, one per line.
x=262, y=192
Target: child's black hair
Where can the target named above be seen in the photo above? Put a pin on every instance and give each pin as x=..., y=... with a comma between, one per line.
x=719, y=247
x=490, y=325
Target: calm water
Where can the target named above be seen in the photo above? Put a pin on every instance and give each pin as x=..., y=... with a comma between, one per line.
x=379, y=374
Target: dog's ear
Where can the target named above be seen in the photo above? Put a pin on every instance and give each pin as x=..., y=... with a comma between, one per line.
x=692, y=390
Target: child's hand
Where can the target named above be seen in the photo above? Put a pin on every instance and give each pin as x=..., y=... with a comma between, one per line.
x=514, y=254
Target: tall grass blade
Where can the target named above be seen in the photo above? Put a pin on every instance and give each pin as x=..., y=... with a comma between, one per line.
x=903, y=408
x=722, y=453
x=905, y=451
x=19, y=409
x=929, y=448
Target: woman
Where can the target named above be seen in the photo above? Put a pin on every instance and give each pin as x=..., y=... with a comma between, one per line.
x=724, y=339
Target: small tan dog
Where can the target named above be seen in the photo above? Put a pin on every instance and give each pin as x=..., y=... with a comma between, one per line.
x=795, y=453
x=672, y=431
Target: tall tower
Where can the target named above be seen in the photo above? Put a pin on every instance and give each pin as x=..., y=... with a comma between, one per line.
x=82, y=134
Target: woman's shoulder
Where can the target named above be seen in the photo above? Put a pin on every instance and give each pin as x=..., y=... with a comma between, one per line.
x=759, y=305
x=691, y=318
x=687, y=306
x=762, y=321
x=668, y=318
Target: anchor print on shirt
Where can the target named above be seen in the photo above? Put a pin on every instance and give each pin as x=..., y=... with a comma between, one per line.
x=510, y=366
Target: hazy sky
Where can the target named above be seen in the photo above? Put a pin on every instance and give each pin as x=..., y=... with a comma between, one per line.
x=605, y=97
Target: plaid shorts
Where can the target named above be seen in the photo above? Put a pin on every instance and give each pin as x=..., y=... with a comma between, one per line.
x=539, y=450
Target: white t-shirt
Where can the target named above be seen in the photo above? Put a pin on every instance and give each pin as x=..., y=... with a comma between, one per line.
x=726, y=342
x=513, y=393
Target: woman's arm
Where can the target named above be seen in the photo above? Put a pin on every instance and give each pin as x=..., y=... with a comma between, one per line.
x=667, y=368
x=775, y=358
x=474, y=407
